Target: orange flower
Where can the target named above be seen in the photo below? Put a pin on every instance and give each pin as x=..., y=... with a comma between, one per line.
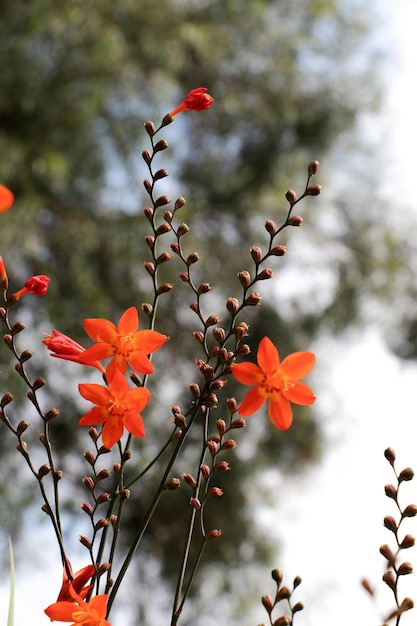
x=63, y=347
x=6, y=199
x=278, y=382
x=38, y=285
x=124, y=343
x=80, y=613
x=78, y=581
x=117, y=407
x=195, y=100
x=3, y=276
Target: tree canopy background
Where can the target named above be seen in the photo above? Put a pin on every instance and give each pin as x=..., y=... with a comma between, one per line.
x=291, y=79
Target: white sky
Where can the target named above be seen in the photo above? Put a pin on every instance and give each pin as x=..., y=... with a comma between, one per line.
x=332, y=520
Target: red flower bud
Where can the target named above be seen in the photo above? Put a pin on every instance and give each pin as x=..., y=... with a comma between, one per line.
x=195, y=100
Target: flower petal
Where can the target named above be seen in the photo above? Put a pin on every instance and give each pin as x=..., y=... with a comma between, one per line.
x=96, y=415
x=300, y=394
x=100, y=330
x=61, y=611
x=247, y=373
x=148, y=341
x=97, y=352
x=268, y=356
x=111, y=433
x=129, y=322
x=252, y=402
x=118, y=384
x=134, y=424
x=298, y=364
x=95, y=393
x=140, y=363
x=279, y=411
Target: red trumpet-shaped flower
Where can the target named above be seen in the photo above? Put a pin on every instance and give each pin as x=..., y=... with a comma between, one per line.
x=124, y=343
x=78, y=581
x=274, y=381
x=38, y=285
x=195, y=100
x=63, y=347
x=117, y=407
x=80, y=613
x=6, y=199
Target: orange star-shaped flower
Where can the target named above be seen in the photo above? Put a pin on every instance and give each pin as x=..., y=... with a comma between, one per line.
x=80, y=613
x=124, y=343
x=118, y=407
x=274, y=381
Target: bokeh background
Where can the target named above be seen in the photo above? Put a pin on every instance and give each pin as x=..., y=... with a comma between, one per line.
x=292, y=81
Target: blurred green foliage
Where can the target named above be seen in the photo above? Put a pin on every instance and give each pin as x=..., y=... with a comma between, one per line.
x=289, y=78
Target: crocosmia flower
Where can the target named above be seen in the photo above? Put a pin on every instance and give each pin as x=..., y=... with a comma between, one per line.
x=3, y=276
x=123, y=343
x=63, y=347
x=6, y=199
x=195, y=100
x=38, y=285
x=78, y=581
x=274, y=381
x=117, y=407
x=80, y=613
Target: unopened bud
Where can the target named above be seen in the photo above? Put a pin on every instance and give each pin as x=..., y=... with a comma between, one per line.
x=212, y=534
x=179, y=203
x=410, y=511
x=219, y=334
x=85, y=541
x=162, y=144
x=404, y=569
x=165, y=288
x=406, y=474
x=277, y=575
x=313, y=190
x=244, y=278
x=390, y=491
x=195, y=503
x=256, y=254
x=265, y=274
x=268, y=603
x=390, y=455
x=150, y=128
x=190, y=480
x=214, y=492
x=291, y=196
x=278, y=251
x=283, y=593
x=389, y=579
x=295, y=220
x=254, y=299
x=313, y=167
x=172, y=484
x=221, y=466
x=386, y=552
x=390, y=523
x=407, y=542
